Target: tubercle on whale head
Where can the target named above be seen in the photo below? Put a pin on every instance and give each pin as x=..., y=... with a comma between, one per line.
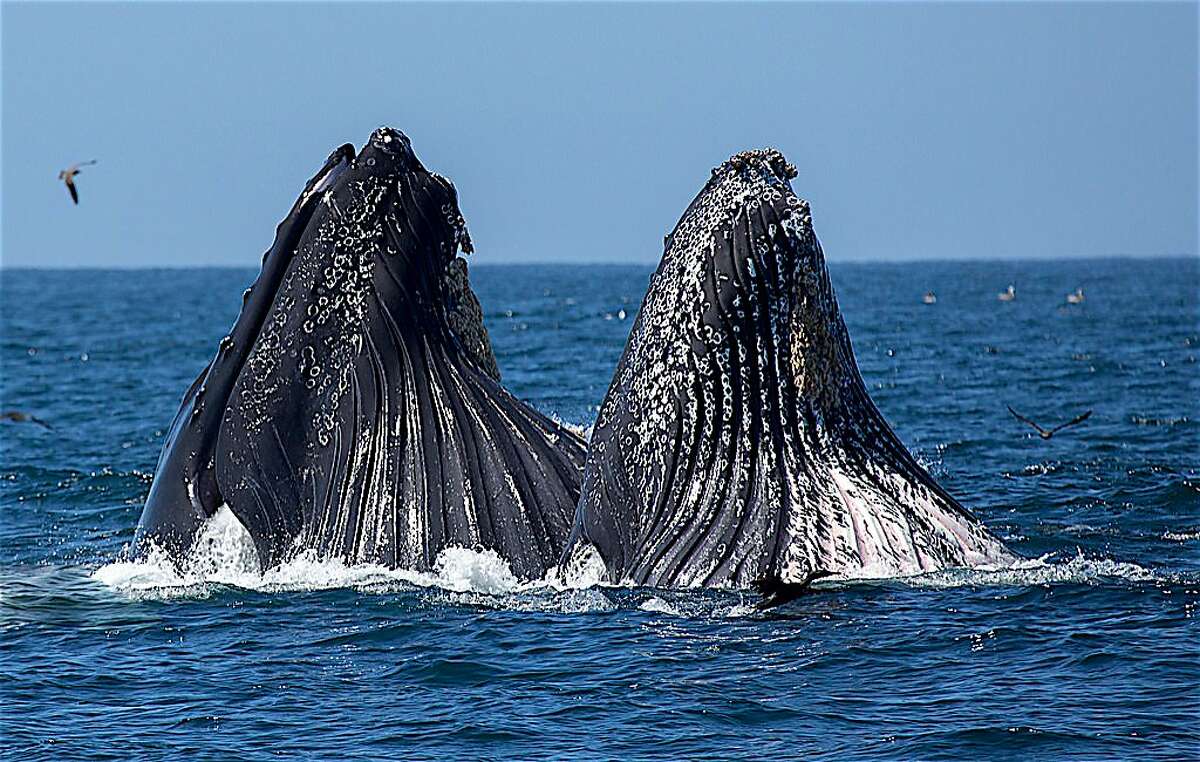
x=750, y=195
x=393, y=148
x=384, y=231
x=760, y=159
x=381, y=210
x=388, y=153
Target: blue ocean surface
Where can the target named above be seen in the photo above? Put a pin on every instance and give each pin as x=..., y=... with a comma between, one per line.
x=1086, y=650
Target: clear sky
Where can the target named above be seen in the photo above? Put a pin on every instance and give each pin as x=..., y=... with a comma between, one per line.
x=580, y=132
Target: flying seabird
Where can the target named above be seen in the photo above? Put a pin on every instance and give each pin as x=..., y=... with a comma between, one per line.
x=929, y=298
x=1047, y=433
x=68, y=177
x=1075, y=298
x=1008, y=295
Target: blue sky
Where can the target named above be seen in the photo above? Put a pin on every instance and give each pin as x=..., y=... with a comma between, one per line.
x=580, y=132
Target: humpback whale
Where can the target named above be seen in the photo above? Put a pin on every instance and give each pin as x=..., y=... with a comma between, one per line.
x=355, y=408
x=737, y=445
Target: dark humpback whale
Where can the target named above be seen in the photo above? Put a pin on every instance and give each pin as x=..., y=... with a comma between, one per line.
x=355, y=408
x=737, y=445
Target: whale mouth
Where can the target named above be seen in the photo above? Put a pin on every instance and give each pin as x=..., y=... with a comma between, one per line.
x=352, y=412
x=325, y=179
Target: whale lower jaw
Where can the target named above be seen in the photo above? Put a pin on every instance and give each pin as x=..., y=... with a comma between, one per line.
x=787, y=512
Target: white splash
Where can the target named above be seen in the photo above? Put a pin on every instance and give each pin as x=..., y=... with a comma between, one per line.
x=581, y=430
x=224, y=556
x=1181, y=536
x=1024, y=573
x=585, y=569
x=659, y=606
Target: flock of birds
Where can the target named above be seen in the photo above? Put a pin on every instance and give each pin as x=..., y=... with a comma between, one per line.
x=1009, y=295
x=69, y=174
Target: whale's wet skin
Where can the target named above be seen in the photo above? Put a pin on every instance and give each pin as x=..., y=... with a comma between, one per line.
x=355, y=409
x=737, y=442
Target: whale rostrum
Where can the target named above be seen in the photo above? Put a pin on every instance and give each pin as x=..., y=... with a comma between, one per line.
x=737, y=443
x=355, y=409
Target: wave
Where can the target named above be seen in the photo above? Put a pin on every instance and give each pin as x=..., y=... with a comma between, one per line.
x=1181, y=536
x=224, y=557
x=1045, y=570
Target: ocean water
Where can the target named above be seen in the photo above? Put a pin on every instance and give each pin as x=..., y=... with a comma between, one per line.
x=1086, y=650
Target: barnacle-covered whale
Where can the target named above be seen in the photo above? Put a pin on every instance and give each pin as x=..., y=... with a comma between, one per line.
x=355, y=409
x=737, y=445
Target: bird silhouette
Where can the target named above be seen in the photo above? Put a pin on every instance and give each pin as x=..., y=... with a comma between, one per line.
x=1075, y=298
x=1007, y=295
x=68, y=177
x=1047, y=433
x=776, y=592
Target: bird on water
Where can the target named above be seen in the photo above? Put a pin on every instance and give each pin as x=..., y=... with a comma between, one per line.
x=18, y=416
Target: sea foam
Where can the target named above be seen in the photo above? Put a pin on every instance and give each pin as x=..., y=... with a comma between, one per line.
x=224, y=556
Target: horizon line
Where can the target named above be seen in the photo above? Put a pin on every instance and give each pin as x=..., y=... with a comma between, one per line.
x=632, y=262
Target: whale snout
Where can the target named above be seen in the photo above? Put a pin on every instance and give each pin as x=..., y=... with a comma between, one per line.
x=764, y=160
x=388, y=149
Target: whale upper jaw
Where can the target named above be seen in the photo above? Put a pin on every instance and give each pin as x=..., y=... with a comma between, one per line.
x=737, y=442
x=184, y=492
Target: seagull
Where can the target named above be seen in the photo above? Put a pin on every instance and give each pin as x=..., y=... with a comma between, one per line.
x=68, y=177
x=16, y=416
x=1009, y=295
x=1075, y=298
x=1044, y=433
x=929, y=298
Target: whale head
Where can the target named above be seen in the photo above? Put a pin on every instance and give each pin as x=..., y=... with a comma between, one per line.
x=354, y=410
x=376, y=207
x=737, y=443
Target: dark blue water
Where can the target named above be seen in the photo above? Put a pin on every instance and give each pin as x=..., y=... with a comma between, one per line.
x=1088, y=651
